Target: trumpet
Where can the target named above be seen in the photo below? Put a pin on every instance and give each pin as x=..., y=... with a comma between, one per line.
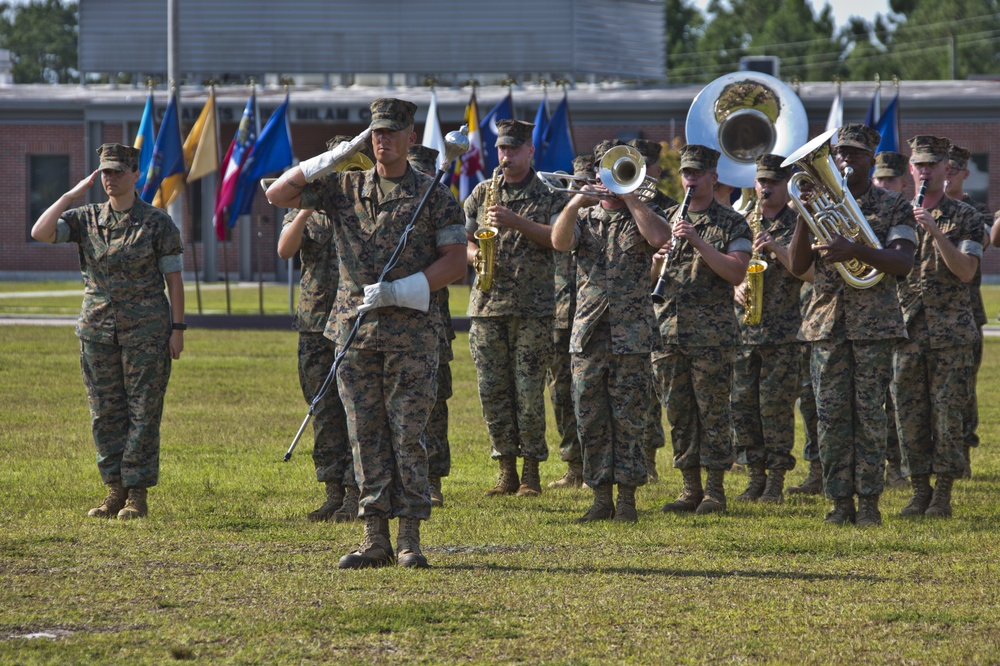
x=622, y=171
x=659, y=294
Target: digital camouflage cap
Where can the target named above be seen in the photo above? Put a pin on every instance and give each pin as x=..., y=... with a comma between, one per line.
x=958, y=157
x=889, y=165
x=583, y=165
x=603, y=147
x=118, y=157
x=650, y=150
x=769, y=166
x=859, y=135
x=392, y=114
x=696, y=156
x=926, y=148
x=423, y=158
x=514, y=133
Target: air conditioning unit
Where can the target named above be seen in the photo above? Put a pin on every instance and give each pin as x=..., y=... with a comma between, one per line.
x=763, y=64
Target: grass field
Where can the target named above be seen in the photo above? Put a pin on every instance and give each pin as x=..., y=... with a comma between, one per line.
x=226, y=569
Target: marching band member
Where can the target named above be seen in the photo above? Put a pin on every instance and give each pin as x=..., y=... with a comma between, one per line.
x=852, y=332
x=510, y=333
x=932, y=366
x=708, y=256
x=766, y=371
x=614, y=332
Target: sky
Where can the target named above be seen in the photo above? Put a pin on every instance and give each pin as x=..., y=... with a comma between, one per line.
x=842, y=9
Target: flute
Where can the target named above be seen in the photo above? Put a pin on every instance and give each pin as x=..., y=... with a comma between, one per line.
x=659, y=292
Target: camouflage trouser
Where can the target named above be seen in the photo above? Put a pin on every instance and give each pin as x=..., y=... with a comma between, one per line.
x=512, y=355
x=970, y=418
x=125, y=388
x=931, y=388
x=331, y=446
x=436, y=433
x=611, y=394
x=388, y=397
x=807, y=406
x=850, y=378
x=892, y=453
x=653, y=436
x=696, y=382
x=560, y=380
x=765, y=382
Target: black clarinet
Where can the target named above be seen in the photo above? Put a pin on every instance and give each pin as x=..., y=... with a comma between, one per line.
x=919, y=201
x=659, y=292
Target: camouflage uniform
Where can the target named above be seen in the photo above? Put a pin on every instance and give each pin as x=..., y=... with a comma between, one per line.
x=614, y=333
x=766, y=372
x=970, y=416
x=317, y=291
x=560, y=376
x=436, y=433
x=807, y=399
x=699, y=331
x=387, y=378
x=852, y=332
x=931, y=368
x=124, y=330
x=510, y=332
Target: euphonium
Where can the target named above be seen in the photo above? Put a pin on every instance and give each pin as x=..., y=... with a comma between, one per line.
x=829, y=208
x=753, y=285
x=487, y=235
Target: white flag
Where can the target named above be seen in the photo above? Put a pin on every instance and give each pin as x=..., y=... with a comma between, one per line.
x=836, y=117
x=432, y=130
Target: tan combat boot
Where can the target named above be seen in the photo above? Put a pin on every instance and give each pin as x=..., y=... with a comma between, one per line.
x=135, y=505
x=531, y=483
x=334, y=498
x=813, y=483
x=940, y=505
x=507, y=482
x=652, y=476
x=625, y=508
x=774, y=490
x=573, y=478
x=715, y=493
x=868, y=513
x=434, y=487
x=603, y=507
x=408, y=545
x=375, y=550
x=755, y=486
x=112, y=504
x=921, y=496
x=843, y=512
x=691, y=493
x=347, y=512
x=894, y=477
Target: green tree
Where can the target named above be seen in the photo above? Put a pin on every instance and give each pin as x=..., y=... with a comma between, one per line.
x=42, y=39
x=685, y=26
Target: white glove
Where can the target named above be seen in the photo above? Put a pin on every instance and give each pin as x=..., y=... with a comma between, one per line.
x=410, y=292
x=317, y=167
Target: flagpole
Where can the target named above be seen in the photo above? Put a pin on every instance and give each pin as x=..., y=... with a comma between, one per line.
x=194, y=245
x=225, y=270
x=260, y=265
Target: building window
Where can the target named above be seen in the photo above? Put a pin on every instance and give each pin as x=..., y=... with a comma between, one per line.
x=978, y=183
x=48, y=179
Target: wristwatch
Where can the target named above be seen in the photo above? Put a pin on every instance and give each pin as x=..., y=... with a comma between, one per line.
x=179, y=327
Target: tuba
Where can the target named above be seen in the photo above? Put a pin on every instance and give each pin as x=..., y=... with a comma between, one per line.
x=486, y=235
x=829, y=207
x=744, y=115
x=753, y=285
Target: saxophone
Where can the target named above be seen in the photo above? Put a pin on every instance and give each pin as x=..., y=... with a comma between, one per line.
x=486, y=235
x=753, y=285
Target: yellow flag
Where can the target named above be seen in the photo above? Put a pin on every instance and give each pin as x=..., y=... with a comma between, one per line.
x=201, y=155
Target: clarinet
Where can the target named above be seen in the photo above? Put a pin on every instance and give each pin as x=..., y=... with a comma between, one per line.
x=919, y=201
x=659, y=292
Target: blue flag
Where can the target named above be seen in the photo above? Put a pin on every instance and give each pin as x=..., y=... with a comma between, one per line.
x=504, y=110
x=888, y=127
x=232, y=163
x=144, y=140
x=271, y=152
x=874, y=109
x=541, y=127
x=559, y=152
x=168, y=155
